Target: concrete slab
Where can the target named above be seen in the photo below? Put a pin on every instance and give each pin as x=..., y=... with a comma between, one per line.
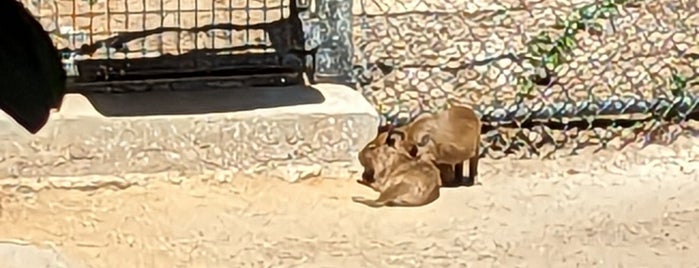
x=29, y=256
x=290, y=133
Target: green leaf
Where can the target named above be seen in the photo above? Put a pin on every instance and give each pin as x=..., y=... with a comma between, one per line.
x=552, y=61
x=572, y=28
x=609, y=11
x=554, y=49
x=588, y=12
x=553, y=57
x=543, y=38
x=569, y=41
x=678, y=84
x=525, y=86
x=535, y=62
x=562, y=45
x=596, y=27
x=538, y=51
x=561, y=22
x=678, y=78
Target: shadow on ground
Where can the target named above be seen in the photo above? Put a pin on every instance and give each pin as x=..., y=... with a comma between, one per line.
x=200, y=102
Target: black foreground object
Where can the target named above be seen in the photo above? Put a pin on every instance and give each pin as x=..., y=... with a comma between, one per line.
x=32, y=78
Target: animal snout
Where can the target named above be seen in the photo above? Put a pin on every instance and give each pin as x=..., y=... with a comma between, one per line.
x=368, y=175
x=413, y=151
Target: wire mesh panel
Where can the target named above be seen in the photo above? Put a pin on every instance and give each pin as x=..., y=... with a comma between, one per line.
x=543, y=74
x=145, y=39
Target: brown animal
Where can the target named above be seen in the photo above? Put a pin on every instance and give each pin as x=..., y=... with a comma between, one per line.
x=448, y=137
x=366, y=157
x=401, y=180
x=368, y=154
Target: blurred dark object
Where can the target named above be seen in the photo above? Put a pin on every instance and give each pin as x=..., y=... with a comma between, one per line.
x=33, y=78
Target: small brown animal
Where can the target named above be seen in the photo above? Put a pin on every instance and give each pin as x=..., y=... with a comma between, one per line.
x=449, y=137
x=401, y=180
x=366, y=156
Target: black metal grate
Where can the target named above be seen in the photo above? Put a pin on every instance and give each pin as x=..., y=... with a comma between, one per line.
x=110, y=40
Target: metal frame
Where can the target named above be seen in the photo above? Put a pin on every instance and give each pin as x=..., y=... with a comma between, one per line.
x=316, y=41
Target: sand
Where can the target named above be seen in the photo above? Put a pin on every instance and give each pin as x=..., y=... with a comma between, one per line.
x=635, y=208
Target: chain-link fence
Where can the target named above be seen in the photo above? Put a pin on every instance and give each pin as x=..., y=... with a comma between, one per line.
x=548, y=77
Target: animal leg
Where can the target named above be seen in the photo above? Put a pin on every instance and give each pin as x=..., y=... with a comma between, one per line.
x=368, y=202
x=459, y=172
x=368, y=184
x=472, y=170
x=386, y=198
x=365, y=183
x=446, y=175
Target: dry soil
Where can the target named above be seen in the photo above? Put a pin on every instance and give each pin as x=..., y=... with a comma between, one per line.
x=634, y=208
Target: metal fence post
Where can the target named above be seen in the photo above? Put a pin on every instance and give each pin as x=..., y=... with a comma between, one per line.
x=330, y=28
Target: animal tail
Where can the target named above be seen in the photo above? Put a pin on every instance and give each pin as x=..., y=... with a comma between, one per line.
x=368, y=202
x=387, y=198
x=35, y=81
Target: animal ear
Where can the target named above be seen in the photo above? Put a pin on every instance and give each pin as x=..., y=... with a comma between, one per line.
x=413, y=151
x=390, y=141
x=391, y=137
x=425, y=139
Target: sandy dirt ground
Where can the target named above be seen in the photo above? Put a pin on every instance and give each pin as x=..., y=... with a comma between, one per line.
x=635, y=208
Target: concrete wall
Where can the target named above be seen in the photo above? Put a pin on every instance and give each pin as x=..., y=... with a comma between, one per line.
x=289, y=133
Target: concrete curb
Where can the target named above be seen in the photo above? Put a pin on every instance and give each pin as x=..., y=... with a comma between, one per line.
x=291, y=133
x=20, y=255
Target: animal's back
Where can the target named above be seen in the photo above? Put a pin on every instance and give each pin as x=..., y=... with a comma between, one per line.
x=462, y=122
x=458, y=131
x=401, y=180
x=421, y=180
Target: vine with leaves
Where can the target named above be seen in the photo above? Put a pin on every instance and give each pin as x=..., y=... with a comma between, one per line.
x=546, y=54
